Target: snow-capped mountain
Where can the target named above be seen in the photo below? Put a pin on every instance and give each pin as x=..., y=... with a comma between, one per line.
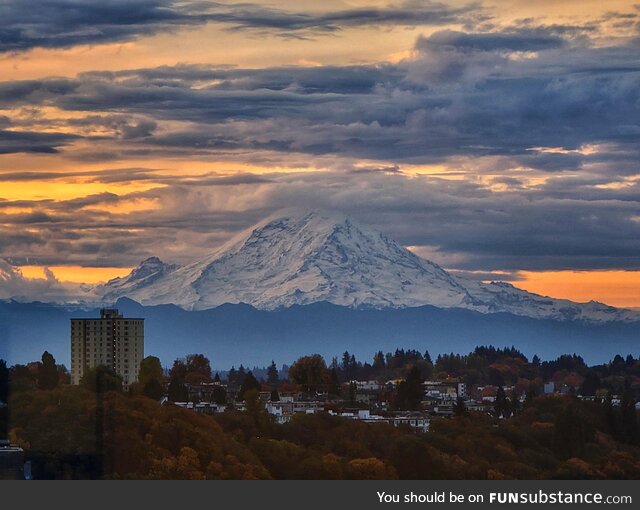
x=298, y=258
x=149, y=271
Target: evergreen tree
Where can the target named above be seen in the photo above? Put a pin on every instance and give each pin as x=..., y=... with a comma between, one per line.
x=590, y=384
x=219, y=395
x=249, y=383
x=378, y=362
x=346, y=366
x=275, y=396
x=501, y=405
x=459, y=408
x=629, y=415
x=4, y=399
x=352, y=392
x=410, y=391
x=334, y=383
x=177, y=391
x=47, y=372
x=242, y=373
x=530, y=394
x=4, y=381
x=515, y=403
x=272, y=373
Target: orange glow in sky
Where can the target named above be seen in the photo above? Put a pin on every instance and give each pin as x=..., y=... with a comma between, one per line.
x=615, y=288
x=76, y=274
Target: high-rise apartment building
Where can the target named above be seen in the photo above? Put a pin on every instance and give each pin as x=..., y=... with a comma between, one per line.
x=112, y=340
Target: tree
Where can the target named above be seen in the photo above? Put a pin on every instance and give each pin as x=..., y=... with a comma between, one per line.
x=151, y=377
x=515, y=403
x=529, y=396
x=334, y=383
x=219, y=395
x=153, y=389
x=427, y=357
x=275, y=396
x=249, y=383
x=410, y=391
x=272, y=373
x=194, y=369
x=590, y=384
x=309, y=371
x=101, y=379
x=47, y=372
x=177, y=391
x=241, y=374
x=4, y=398
x=459, y=408
x=346, y=366
x=378, y=362
x=150, y=369
x=501, y=405
x=629, y=415
x=4, y=381
x=198, y=369
x=573, y=429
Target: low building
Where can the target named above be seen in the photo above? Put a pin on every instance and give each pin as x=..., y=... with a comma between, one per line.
x=12, y=465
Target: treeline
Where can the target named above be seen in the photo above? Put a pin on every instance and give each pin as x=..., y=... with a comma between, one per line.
x=71, y=432
x=98, y=431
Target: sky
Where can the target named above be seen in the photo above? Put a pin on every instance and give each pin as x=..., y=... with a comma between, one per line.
x=500, y=139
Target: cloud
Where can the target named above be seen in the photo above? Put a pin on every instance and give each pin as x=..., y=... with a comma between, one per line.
x=469, y=226
x=26, y=141
x=538, y=124
x=13, y=285
x=67, y=23
x=461, y=94
x=516, y=40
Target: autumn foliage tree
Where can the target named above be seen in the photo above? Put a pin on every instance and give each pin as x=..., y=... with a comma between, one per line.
x=310, y=372
x=151, y=377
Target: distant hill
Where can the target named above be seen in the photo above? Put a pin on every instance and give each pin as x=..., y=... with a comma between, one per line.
x=234, y=334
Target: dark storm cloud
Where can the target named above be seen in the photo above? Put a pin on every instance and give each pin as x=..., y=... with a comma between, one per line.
x=26, y=141
x=521, y=40
x=66, y=23
x=409, y=13
x=568, y=223
x=462, y=95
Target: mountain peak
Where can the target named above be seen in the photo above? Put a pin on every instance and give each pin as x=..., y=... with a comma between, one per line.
x=299, y=256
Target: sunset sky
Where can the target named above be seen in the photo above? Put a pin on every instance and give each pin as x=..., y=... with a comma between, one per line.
x=500, y=139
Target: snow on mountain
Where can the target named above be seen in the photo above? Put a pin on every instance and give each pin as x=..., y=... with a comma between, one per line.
x=149, y=271
x=298, y=258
